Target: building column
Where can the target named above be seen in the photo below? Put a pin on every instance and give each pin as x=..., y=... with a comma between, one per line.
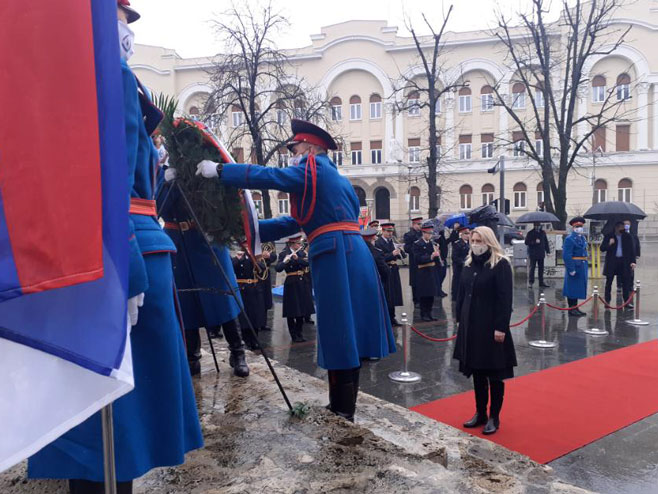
x=449, y=134
x=643, y=116
x=655, y=116
x=389, y=121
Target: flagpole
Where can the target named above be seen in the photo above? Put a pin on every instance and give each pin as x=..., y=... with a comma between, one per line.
x=109, y=466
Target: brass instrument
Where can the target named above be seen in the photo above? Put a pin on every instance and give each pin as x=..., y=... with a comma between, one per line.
x=292, y=252
x=262, y=274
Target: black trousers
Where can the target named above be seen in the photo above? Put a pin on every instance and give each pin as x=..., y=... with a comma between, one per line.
x=540, y=274
x=624, y=279
x=456, y=275
x=79, y=486
x=483, y=385
x=231, y=333
x=343, y=391
x=295, y=325
x=426, y=304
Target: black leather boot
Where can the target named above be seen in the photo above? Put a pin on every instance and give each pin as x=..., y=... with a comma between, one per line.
x=492, y=426
x=238, y=363
x=79, y=486
x=193, y=347
x=341, y=393
x=236, y=346
x=497, y=388
x=478, y=419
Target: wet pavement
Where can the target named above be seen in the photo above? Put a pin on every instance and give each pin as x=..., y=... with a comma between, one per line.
x=625, y=462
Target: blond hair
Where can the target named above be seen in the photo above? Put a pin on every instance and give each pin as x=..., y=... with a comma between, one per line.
x=489, y=239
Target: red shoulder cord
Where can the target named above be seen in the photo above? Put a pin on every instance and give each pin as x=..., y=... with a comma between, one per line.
x=312, y=165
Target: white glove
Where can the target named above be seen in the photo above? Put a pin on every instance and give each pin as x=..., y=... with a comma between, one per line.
x=207, y=168
x=170, y=174
x=134, y=304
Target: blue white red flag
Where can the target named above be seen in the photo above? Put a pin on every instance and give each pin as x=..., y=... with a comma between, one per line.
x=64, y=203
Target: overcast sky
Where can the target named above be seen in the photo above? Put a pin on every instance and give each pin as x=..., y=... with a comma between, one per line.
x=184, y=26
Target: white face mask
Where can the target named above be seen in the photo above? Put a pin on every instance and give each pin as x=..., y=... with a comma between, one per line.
x=627, y=228
x=479, y=249
x=126, y=41
x=578, y=229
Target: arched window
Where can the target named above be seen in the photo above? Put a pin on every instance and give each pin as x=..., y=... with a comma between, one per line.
x=336, y=108
x=355, y=108
x=486, y=98
x=623, y=87
x=361, y=195
x=298, y=109
x=382, y=204
x=600, y=191
x=598, y=89
x=375, y=106
x=237, y=118
x=518, y=95
x=488, y=194
x=540, y=196
x=194, y=111
x=465, y=105
x=625, y=190
x=258, y=202
x=413, y=104
x=284, y=203
x=520, y=194
x=466, y=197
x=414, y=199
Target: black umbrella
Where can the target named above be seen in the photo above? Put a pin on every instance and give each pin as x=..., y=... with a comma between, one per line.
x=538, y=217
x=604, y=210
x=504, y=220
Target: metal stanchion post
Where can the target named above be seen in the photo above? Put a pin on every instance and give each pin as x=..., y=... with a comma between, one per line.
x=595, y=330
x=543, y=343
x=404, y=376
x=637, y=321
x=109, y=467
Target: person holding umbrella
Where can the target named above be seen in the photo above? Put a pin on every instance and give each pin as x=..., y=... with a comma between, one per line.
x=538, y=247
x=620, y=260
x=574, y=254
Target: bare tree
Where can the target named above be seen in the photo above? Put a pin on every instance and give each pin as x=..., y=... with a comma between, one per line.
x=549, y=61
x=253, y=79
x=427, y=90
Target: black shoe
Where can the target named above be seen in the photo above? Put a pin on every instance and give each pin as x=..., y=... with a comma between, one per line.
x=298, y=338
x=252, y=346
x=478, y=419
x=266, y=328
x=372, y=359
x=395, y=323
x=195, y=367
x=432, y=318
x=443, y=294
x=544, y=285
x=581, y=313
x=214, y=334
x=574, y=313
x=618, y=290
x=492, y=426
x=530, y=284
x=239, y=364
x=425, y=318
x=630, y=307
x=308, y=320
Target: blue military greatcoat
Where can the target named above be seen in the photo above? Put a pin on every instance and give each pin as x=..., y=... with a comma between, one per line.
x=575, y=286
x=157, y=422
x=352, y=316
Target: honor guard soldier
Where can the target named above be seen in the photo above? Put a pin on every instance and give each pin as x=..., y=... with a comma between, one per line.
x=460, y=249
x=246, y=273
x=297, y=299
x=574, y=254
x=392, y=254
x=427, y=256
x=268, y=257
x=410, y=238
x=352, y=318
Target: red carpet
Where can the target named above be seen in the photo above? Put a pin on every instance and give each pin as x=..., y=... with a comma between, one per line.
x=553, y=412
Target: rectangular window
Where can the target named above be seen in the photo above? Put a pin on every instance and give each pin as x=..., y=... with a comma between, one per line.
x=337, y=157
x=598, y=140
x=258, y=203
x=601, y=195
x=283, y=160
x=336, y=113
x=487, y=102
x=465, y=151
x=355, y=111
x=465, y=201
x=539, y=98
x=487, y=150
x=465, y=103
x=519, y=199
x=376, y=156
x=624, y=194
x=413, y=107
x=598, y=94
x=375, y=110
x=439, y=151
x=414, y=154
x=519, y=144
x=281, y=117
x=623, y=92
x=540, y=198
x=487, y=198
x=414, y=203
x=519, y=100
x=356, y=157
x=283, y=206
x=237, y=118
x=539, y=147
x=623, y=137
x=437, y=108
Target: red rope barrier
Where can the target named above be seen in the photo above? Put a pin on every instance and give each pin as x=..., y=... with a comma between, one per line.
x=439, y=340
x=622, y=305
x=570, y=308
x=532, y=313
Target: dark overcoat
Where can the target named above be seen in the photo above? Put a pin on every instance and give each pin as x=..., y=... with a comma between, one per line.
x=410, y=238
x=537, y=243
x=484, y=305
x=297, y=299
x=627, y=251
x=252, y=295
x=387, y=246
x=425, y=277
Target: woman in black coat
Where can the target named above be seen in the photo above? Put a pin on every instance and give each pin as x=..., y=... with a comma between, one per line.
x=484, y=345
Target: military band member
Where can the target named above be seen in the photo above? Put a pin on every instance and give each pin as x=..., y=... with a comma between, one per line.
x=460, y=249
x=309, y=281
x=265, y=280
x=392, y=254
x=297, y=300
x=441, y=266
x=409, y=239
x=246, y=274
x=574, y=254
x=427, y=256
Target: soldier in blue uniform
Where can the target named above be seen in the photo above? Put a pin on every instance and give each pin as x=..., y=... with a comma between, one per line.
x=574, y=254
x=213, y=306
x=246, y=273
x=392, y=254
x=352, y=317
x=157, y=422
x=460, y=249
x=427, y=255
x=411, y=237
x=297, y=299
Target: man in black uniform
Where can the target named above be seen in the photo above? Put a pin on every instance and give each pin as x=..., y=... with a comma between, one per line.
x=538, y=247
x=620, y=260
x=297, y=300
x=392, y=255
x=268, y=257
x=410, y=239
x=460, y=250
x=442, y=264
x=308, y=279
x=252, y=297
x=427, y=255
